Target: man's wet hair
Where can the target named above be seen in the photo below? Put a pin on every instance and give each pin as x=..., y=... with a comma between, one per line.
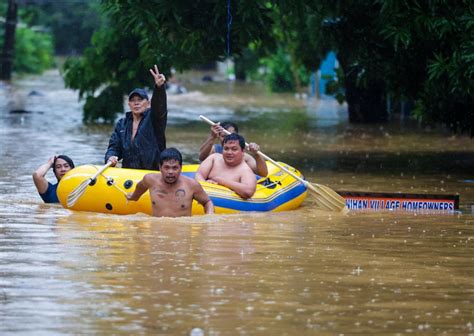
x=234, y=137
x=228, y=124
x=171, y=154
x=65, y=158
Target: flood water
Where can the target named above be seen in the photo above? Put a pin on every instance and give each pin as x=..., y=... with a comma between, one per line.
x=306, y=271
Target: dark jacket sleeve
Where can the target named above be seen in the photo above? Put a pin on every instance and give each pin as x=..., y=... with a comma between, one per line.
x=115, y=143
x=159, y=114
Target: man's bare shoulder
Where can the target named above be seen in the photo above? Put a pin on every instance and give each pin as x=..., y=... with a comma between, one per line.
x=244, y=167
x=190, y=182
x=248, y=157
x=214, y=156
x=151, y=178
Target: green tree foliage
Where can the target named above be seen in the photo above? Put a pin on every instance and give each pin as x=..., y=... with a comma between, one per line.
x=33, y=50
x=413, y=51
x=433, y=58
x=349, y=29
x=72, y=23
x=279, y=77
x=112, y=67
x=335, y=87
x=282, y=77
x=142, y=33
x=191, y=32
x=247, y=64
x=290, y=29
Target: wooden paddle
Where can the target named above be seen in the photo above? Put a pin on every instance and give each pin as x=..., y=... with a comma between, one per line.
x=325, y=197
x=81, y=188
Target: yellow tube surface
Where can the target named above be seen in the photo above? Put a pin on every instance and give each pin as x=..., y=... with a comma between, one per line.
x=278, y=192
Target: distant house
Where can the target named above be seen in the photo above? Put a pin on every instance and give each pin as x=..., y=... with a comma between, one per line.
x=327, y=71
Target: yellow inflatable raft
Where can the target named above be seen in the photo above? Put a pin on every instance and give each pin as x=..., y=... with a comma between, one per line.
x=277, y=192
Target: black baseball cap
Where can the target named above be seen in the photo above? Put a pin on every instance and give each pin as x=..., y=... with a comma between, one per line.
x=139, y=92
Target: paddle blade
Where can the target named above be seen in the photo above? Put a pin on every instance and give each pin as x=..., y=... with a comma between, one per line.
x=334, y=196
x=77, y=193
x=327, y=198
x=79, y=190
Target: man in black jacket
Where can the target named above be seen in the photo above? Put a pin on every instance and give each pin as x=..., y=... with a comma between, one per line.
x=139, y=137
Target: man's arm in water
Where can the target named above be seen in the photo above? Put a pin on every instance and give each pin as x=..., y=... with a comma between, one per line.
x=141, y=188
x=201, y=196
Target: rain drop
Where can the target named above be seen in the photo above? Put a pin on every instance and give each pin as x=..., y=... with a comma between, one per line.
x=196, y=332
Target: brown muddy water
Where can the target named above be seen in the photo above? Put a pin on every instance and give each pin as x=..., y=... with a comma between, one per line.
x=306, y=272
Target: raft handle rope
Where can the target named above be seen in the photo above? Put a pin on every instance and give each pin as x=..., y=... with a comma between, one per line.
x=111, y=182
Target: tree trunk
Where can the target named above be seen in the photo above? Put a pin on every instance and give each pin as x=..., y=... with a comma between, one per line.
x=9, y=42
x=239, y=69
x=365, y=104
x=296, y=77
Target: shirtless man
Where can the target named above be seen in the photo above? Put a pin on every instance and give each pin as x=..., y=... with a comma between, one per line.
x=255, y=161
x=229, y=169
x=171, y=194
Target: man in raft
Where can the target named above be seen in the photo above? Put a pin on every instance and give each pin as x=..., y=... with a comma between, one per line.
x=229, y=169
x=255, y=161
x=171, y=193
x=61, y=164
x=139, y=137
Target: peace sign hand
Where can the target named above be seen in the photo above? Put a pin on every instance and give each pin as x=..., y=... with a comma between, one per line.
x=159, y=78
